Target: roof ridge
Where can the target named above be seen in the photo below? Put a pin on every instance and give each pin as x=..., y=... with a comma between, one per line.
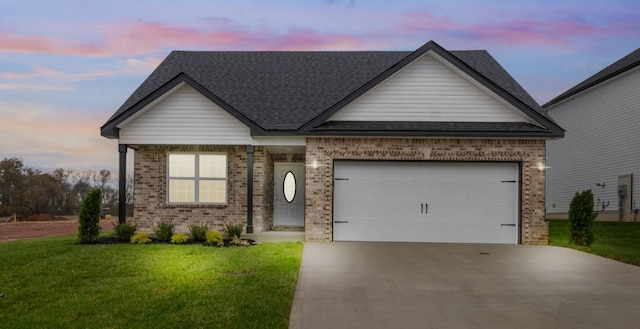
x=294, y=51
x=618, y=67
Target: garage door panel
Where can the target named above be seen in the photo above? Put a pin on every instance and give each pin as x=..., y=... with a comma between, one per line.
x=428, y=233
x=431, y=202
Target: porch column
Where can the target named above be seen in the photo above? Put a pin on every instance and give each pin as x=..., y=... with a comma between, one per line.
x=249, y=188
x=122, y=184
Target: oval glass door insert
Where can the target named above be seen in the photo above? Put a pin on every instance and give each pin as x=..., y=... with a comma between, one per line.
x=289, y=186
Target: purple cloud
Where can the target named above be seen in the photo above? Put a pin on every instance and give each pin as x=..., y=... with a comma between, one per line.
x=559, y=33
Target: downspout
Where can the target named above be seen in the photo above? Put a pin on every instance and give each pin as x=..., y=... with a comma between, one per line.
x=249, y=189
x=122, y=184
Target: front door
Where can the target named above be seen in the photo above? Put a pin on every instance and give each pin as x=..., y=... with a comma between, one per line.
x=289, y=194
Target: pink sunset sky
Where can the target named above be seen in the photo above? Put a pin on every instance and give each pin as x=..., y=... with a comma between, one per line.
x=65, y=68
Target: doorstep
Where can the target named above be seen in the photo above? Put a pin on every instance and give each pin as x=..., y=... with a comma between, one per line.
x=275, y=236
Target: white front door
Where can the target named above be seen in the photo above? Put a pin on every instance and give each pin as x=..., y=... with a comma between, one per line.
x=289, y=194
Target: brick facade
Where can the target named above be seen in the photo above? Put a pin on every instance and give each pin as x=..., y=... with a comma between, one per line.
x=321, y=152
x=150, y=195
x=150, y=178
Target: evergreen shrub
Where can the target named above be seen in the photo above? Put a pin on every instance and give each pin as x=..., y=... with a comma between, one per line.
x=164, y=231
x=581, y=217
x=198, y=232
x=89, y=217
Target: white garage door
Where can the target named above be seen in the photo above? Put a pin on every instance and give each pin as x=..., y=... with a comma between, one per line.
x=426, y=202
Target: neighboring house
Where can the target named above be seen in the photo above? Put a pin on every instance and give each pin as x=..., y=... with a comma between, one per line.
x=600, y=151
x=430, y=145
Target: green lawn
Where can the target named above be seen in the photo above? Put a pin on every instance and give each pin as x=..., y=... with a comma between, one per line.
x=56, y=283
x=620, y=241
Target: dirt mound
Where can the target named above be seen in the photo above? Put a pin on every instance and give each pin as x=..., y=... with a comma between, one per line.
x=21, y=230
x=40, y=218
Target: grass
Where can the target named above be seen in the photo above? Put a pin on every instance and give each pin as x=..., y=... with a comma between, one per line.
x=620, y=241
x=56, y=283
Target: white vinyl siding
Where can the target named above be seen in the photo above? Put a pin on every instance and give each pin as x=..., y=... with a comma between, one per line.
x=185, y=117
x=197, y=178
x=427, y=90
x=601, y=143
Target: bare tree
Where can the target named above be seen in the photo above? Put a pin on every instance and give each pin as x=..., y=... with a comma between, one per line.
x=11, y=182
x=81, y=186
x=27, y=191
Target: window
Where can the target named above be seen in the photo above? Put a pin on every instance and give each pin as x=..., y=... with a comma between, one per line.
x=197, y=178
x=289, y=186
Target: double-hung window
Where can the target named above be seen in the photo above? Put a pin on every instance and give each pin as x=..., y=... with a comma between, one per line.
x=197, y=178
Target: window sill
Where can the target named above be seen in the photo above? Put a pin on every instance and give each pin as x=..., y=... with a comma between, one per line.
x=194, y=206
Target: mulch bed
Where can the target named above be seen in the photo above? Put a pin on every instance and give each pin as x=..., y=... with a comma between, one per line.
x=113, y=240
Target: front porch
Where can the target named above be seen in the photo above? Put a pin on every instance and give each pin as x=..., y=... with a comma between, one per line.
x=258, y=171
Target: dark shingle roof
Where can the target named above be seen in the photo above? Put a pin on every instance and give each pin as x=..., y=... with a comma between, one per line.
x=624, y=64
x=409, y=128
x=275, y=90
x=282, y=91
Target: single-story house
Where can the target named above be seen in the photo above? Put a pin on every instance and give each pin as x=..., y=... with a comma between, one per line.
x=600, y=151
x=426, y=145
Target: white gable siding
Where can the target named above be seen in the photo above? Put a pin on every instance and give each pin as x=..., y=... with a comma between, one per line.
x=185, y=117
x=602, y=142
x=427, y=90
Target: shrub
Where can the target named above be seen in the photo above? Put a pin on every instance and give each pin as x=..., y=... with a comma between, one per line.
x=164, y=231
x=232, y=230
x=581, y=217
x=236, y=241
x=124, y=231
x=89, y=217
x=179, y=238
x=140, y=238
x=214, y=238
x=198, y=233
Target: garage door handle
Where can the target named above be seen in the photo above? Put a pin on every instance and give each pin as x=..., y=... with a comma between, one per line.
x=341, y=221
x=422, y=208
x=507, y=224
x=426, y=208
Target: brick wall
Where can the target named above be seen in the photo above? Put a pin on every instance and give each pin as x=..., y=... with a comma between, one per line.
x=150, y=203
x=322, y=152
x=267, y=209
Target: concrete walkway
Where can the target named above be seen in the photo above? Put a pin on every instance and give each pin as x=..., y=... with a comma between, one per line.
x=416, y=285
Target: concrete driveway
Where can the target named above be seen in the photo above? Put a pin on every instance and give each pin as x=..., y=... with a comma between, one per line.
x=419, y=285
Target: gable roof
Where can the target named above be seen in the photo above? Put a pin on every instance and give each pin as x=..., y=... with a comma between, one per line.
x=623, y=65
x=290, y=92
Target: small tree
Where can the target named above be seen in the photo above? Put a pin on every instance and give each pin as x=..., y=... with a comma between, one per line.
x=581, y=217
x=89, y=217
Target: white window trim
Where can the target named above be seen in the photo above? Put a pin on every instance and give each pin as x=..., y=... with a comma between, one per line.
x=197, y=179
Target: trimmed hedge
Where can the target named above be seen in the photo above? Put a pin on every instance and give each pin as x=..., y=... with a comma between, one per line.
x=581, y=217
x=89, y=217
